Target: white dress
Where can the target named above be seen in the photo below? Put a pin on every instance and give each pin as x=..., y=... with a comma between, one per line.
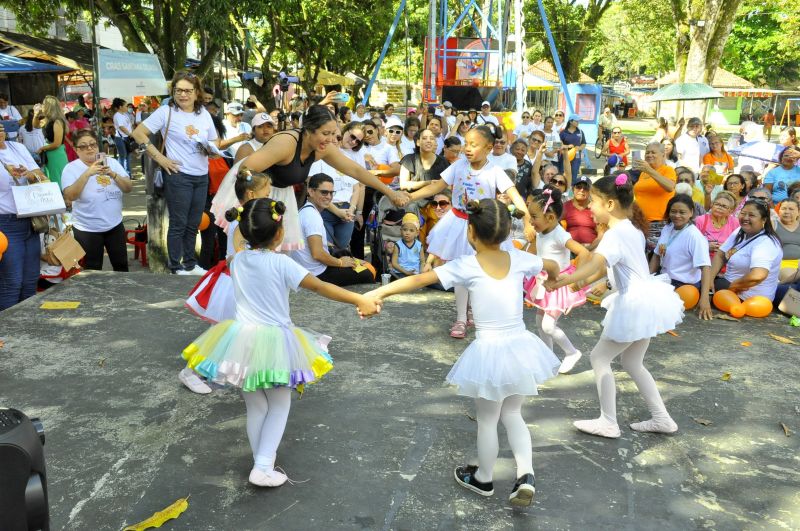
x=448, y=239
x=505, y=359
x=643, y=305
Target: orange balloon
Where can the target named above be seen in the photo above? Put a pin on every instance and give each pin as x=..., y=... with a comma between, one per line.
x=689, y=295
x=758, y=306
x=517, y=244
x=205, y=221
x=724, y=299
x=571, y=154
x=1, y=256
x=3, y=243
x=738, y=311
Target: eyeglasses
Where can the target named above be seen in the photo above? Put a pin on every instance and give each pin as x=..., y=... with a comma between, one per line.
x=91, y=145
x=525, y=116
x=721, y=205
x=558, y=182
x=760, y=198
x=184, y=91
x=395, y=131
x=323, y=192
x=368, y=132
x=534, y=139
x=440, y=204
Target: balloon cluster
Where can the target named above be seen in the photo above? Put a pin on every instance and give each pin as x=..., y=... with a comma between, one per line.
x=727, y=301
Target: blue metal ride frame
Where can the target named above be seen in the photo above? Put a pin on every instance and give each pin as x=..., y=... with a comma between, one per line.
x=384, y=51
x=556, y=60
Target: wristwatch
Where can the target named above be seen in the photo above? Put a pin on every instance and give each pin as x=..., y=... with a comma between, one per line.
x=144, y=146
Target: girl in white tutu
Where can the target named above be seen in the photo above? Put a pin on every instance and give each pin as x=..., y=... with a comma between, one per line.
x=262, y=351
x=472, y=179
x=643, y=307
x=554, y=243
x=505, y=363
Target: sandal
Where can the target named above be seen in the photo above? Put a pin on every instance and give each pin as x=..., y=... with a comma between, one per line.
x=458, y=330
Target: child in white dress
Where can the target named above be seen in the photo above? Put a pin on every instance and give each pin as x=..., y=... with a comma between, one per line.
x=472, y=179
x=262, y=351
x=643, y=307
x=506, y=362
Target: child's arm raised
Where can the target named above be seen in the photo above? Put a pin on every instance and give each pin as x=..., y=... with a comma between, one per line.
x=366, y=306
x=586, y=270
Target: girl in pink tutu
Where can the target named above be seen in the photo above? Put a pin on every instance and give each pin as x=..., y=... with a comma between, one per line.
x=554, y=243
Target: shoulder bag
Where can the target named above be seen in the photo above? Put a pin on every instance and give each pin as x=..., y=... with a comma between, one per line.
x=158, y=176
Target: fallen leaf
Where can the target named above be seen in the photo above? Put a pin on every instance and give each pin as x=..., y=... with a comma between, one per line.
x=786, y=430
x=704, y=422
x=59, y=305
x=673, y=333
x=784, y=340
x=2, y=343
x=726, y=317
x=726, y=376
x=102, y=362
x=158, y=519
x=746, y=344
x=470, y=417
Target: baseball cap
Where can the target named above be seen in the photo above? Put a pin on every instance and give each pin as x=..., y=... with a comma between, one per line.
x=394, y=121
x=583, y=179
x=234, y=107
x=749, y=168
x=447, y=104
x=411, y=110
x=486, y=103
x=410, y=219
x=261, y=119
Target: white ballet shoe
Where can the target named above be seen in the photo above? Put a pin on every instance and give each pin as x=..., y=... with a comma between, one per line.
x=656, y=426
x=273, y=478
x=569, y=362
x=599, y=427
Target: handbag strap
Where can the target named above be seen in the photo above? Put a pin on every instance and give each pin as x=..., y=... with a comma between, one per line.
x=166, y=131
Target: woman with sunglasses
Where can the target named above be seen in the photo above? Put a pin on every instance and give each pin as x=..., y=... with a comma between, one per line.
x=433, y=212
x=559, y=124
x=578, y=216
x=617, y=145
x=417, y=170
x=460, y=128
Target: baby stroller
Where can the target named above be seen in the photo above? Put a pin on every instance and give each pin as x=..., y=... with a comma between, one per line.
x=383, y=228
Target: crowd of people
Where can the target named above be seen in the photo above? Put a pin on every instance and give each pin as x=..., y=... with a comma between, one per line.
x=504, y=218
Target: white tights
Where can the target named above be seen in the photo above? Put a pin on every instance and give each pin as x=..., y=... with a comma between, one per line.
x=509, y=411
x=267, y=412
x=551, y=332
x=631, y=356
x=462, y=299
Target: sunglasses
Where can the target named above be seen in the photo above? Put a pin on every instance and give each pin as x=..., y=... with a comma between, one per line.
x=525, y=116
x=581, y=186
x=440, y=204
x=395, y=131
x=354, y=139
x=558, y=182
x=323, y=192
x=559, y=115
x=369, y=132
x=617, y=132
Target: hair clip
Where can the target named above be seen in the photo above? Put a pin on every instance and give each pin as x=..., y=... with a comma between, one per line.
x=239, y=211
x=621, y=180
x=277, y=217
x=512, y=208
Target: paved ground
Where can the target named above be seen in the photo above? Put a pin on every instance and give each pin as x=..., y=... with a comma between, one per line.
x=377, y=440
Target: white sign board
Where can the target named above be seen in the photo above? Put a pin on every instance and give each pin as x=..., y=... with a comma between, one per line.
x=128, y=74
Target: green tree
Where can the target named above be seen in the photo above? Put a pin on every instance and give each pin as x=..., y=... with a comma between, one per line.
x=760, y=49
x=573, y=25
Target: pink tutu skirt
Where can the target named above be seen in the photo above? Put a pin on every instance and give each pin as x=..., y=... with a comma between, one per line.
x=212, y=297
x=561, y=300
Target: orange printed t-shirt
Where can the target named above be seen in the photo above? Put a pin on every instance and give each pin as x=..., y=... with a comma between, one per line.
x=710, y=158
x=651, y=196
x=769, y=119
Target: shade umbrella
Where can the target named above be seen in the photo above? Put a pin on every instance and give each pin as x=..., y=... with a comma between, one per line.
x=686, y=92
x=759, y=150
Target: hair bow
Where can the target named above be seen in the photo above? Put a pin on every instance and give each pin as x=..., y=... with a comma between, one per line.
x=621, y=180
x=239, y=209
x=277, y=217
x=549, y=194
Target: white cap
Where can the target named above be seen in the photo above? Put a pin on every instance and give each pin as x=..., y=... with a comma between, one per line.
x=261, y=119
x=234, y=107
x=394, y=121
x=486, y=103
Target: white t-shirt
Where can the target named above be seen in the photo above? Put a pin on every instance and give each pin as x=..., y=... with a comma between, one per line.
x=33, y=139
x=549, y=139
x=342, y=184
x=10, y=113
x=506, y=161
x=623, y=248
x=261, y=284
x=496, y=304
x=469, y=184
x=758, y=251
x=491, y=119
x=122, y=120
x=524, y=131
x=310, y=225
x=684, y=253
x=99, y=207
x=356, y=118
x=185, y=130
x=235, y=130
x=553, y=246
x=688, y=150
x=15, y=154
x=383, y=153
x=407, y=146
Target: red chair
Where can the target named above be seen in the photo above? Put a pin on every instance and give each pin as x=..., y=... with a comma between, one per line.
x=138, y=238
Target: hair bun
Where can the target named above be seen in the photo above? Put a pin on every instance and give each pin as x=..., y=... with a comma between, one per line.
x=474, y=207
x=232, y=214
x=279, y=207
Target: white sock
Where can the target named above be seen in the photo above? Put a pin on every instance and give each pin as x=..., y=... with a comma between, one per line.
x=462, y=299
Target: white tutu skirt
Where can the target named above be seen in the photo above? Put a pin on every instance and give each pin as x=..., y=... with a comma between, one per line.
x=292, y=236
x=501, y=363
x=448, y=238
x=212, y=297
x=647, y=308
x=225, y=198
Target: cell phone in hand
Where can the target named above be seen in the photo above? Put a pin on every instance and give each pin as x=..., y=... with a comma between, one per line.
x=636, y=154
x=101, y=158
x=557, y=144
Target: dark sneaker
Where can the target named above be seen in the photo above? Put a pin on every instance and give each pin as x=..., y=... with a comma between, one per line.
x=523, y=492
x=465, y=476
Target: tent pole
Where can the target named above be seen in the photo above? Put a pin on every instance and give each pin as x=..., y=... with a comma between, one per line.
x=96, y=76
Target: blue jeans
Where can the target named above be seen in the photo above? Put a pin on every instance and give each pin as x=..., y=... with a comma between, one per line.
x=186, y=197
x=338, y=230
x=19, y=268
x=123, y=156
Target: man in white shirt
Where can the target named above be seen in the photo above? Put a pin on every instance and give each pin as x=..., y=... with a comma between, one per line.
x=485, y=117
x=9, y=112
x=688, y=148
x=606, y=123
x=235, y=126
x=505, y=160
